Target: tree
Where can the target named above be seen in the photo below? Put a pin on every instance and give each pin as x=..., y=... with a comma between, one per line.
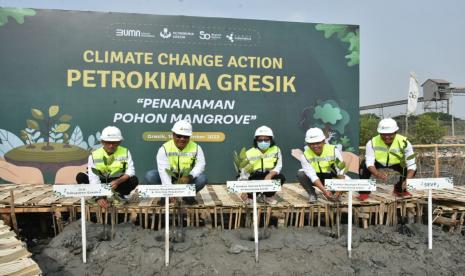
x=427, y=130
x=368, y=127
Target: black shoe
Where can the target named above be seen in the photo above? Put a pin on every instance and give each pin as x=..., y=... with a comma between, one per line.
x=190, y=200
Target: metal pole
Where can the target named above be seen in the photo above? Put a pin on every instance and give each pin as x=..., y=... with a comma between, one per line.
x=451, y=115
x=167, y=231
x=83, y=229
x=349, y=230
x=430, y=219
x=255, y=225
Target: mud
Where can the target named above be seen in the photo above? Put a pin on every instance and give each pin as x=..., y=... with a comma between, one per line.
x=283, y=251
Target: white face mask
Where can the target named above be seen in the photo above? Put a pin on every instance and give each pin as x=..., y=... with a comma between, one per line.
x=264, y=145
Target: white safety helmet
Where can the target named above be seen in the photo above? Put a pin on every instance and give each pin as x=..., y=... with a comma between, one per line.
x=111, y=134
x=387, y=125
x=182, y=128
x=314, y=135
x=263, y=131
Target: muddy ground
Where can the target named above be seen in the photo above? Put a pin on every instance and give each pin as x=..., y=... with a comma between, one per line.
x=287, y=251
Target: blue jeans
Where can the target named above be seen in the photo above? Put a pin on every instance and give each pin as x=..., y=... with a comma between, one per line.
x=152, y=177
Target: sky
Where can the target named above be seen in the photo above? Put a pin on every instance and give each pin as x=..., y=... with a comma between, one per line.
x=397, y=36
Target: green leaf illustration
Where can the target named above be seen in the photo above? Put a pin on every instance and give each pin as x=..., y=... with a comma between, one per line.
x=32, y=124
x=16, y=13
x=62, y=128
x=37, y=114
x=65, y=118
x=53, y=110
x=327, y=113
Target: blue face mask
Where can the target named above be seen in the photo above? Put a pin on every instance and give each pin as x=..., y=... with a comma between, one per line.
x=264, y=145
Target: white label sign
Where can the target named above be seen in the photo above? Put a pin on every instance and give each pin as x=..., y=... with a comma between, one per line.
x=82, y=190
x=350, y=184
x=430, y=183
x=250, y=186
x=176, y=190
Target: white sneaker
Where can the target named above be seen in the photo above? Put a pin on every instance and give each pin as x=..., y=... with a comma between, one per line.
x=312, y=198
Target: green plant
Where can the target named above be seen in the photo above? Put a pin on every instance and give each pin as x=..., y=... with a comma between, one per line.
x=50, y=124
x=178, y=176
x=107, y=174
x=241, y=163
x=368, y=127
x=427, y=130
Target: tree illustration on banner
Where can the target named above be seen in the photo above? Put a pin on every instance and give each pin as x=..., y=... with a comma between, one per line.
x=332, y=119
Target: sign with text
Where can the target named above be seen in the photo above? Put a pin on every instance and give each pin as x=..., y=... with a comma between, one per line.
x=82, y=190
x=250, y=186
x=430, y=183
x=144, y=72
x=177, y=190
x=350, y=185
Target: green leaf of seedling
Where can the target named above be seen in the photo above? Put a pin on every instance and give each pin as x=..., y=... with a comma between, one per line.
x=97, y=172
x=170, y=173
x=105, y=161
x=37, y=114
x=410, y=157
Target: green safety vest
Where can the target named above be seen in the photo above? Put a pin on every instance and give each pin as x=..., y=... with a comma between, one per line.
x=263, y=161
x=118, y=161
x=383, y=152
x=181, y=159
x=323, y=162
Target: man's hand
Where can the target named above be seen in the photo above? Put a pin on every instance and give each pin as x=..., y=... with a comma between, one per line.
x=270, y=175
x=337, y=196
x=103, y=202
x=381, y=175
x=114, y=184
x=328, y=195
x=297, y=153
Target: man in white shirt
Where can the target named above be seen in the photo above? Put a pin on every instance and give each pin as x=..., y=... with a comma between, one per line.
x=111, y=164
x=319, y=162
x=388, y=150
x=183, y=158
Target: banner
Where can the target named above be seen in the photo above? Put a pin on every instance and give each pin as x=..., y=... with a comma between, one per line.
x=412, y=95
x=68, y=74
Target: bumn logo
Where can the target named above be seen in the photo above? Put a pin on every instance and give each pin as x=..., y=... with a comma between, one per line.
x=128, y=32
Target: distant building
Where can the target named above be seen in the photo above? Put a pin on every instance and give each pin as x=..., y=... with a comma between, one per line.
x=436, y=94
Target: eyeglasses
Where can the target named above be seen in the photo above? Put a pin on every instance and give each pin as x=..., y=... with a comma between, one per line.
x=263, y=140
x=177, y=136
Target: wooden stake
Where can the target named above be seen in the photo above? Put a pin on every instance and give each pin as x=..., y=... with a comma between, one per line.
x=12, y=212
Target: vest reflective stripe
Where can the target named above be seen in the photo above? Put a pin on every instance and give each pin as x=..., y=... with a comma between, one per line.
x=119, y=157
x=263, y=161
x=322, y=163
x=382, y=151
x=180, y=160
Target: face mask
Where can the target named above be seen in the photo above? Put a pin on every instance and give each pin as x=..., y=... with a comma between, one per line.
x=263, y=145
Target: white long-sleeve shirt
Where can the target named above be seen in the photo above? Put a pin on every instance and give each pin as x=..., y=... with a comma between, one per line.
x=370, y=156
x=163, y=163
x=310, y=171
x=95, y=179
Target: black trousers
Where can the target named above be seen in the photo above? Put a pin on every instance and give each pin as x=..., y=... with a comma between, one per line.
x=123, y=189
x=307, y=183
x=258, y=175
x=366, y=174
